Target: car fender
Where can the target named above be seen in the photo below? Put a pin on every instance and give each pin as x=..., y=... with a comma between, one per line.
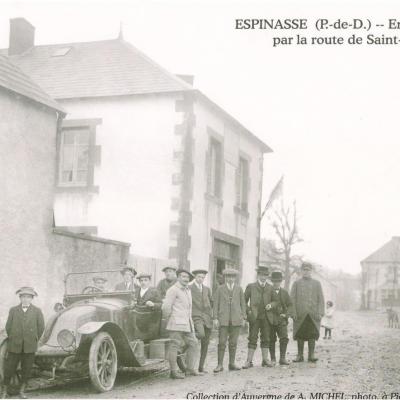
x=125, y=354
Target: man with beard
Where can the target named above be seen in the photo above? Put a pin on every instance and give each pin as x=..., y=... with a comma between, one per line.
x=308, y=309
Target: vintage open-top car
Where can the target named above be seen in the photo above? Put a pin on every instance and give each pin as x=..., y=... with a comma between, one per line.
x=99, y=331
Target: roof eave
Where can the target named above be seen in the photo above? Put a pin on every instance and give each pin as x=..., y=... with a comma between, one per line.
x=264, y=147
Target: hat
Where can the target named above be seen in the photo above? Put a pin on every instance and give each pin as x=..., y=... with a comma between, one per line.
x=306, y=265
x=182, y=270
x=143, y=275
x=169, y=267
x=128, y=268
x=230, y=271
x=199, y=271
x=99, y=279
x=276, y=276
x=263, y=269
x=26, y=290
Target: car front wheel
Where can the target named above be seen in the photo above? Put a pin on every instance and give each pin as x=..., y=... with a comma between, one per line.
x=103, y=362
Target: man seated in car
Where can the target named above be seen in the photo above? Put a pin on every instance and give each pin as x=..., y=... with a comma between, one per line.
x=99, y=283
x=147, y=296
x=128, y=284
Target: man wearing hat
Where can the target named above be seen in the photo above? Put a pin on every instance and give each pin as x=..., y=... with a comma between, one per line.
x=128, y=284
x=99, y=283
x=201, y=313
x=24, y=327
x=257, y=296
x=168, y=281
x=229, y=313
x=308, y=309
x=177, y=310
x=278, y=315
x=146, y=295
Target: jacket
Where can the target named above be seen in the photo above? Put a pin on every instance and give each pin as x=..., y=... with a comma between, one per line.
x=227, y=311
x=253, y=295
x=308, y=299
x=177, y=309
x=152, y=294
x=24, y=329
x=164, y=285
x=281, y=304
x=202, y=305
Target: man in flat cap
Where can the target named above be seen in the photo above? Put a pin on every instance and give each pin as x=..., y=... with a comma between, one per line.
x=177, y=310
x=308, y=309
x=201, y=313
x=128, y=284
x=168, y=281
x=229, y=311
x=99, y=283
x=258, y=296
x=24, y=327
x=278, y=314
x=146, y=295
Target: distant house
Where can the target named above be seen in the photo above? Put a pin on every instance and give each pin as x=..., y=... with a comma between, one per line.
x=146, y=158
x=32, y=252
x=380, y=276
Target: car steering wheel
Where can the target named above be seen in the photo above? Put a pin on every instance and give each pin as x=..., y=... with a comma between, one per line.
x=91, y=289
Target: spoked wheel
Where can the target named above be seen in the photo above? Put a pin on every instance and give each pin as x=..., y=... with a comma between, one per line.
x=103, y=362
x=15, y=382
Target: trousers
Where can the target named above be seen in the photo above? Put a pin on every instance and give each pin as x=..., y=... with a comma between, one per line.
x=11, y=365
x=180, y=341
x=262, y=327
x=203, y=334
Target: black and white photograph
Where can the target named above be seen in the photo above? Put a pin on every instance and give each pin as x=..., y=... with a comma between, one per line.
x=199, y=199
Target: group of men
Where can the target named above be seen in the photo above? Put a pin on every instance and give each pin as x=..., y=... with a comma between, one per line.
x=191, y=312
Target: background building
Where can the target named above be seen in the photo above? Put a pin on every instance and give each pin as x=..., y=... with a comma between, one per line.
x=380, y=273
x=146, y=158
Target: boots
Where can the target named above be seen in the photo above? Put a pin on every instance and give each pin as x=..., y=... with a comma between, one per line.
x=22, y=394
x=282, y=353
x=300, y=351
x=176, y=375
x=311, y=349
x=203, y=355
x=249, y=362
x=232, y=356
x=265, y=362
x=272, y=352
x=220, y=366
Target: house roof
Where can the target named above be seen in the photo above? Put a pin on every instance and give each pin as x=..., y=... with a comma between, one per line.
x=388, y=253
x=14, y=80
x=96, y=69
x=106, y=68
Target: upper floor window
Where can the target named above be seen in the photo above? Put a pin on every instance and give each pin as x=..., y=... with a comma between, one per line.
x=214, y=168
x=74, y=160
x=243, y=184
x=78, y=153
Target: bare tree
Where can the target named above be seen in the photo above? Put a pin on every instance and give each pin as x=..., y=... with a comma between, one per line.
x=284, y=223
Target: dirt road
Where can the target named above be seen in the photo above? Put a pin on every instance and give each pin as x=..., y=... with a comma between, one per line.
x=362, y=360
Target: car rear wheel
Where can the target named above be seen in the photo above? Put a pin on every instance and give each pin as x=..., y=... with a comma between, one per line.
x=103, y=362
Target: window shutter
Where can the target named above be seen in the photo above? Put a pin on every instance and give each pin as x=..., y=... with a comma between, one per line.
x=208, y=171
x=237, y=183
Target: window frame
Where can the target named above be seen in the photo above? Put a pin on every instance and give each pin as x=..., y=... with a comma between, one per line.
x=217, y=141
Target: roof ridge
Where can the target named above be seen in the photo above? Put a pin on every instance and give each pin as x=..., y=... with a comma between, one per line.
x=154, y=63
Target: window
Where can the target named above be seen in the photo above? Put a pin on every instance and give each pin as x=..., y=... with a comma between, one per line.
x=74, y=156
x=214, y=168
x=243, y=184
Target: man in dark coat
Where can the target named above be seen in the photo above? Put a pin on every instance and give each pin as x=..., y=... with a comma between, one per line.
x=278, y=315
x=168, y=281
x=146, y=295
x=201, y=313
x=24, y=327
x=257, y=296
x=229, y=313
x=128, y=284
x=308, y=309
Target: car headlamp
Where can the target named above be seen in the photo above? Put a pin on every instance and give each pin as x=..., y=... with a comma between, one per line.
x=66, y=338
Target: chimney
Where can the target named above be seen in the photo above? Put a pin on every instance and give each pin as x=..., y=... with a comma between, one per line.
x=22, y=36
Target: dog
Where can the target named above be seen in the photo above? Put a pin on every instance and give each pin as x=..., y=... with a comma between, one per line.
x=393, y=318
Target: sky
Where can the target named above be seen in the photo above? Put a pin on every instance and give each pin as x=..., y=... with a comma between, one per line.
x=330, y=113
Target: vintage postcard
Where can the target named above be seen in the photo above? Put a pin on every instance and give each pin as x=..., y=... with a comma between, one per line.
x=199, y=199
